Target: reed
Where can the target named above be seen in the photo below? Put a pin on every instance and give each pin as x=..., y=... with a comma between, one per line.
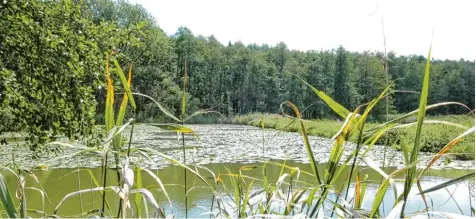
x=236, y=193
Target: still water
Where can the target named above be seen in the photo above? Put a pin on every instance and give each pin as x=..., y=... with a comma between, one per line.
x=221, y=147
x=59, y=182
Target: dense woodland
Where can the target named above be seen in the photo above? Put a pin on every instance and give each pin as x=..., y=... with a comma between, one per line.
x=52, y=56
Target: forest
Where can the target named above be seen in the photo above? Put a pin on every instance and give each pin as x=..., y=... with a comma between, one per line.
x=97, y=104
x=52, y=67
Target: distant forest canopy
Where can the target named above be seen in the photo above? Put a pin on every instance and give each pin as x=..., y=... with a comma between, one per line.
x=52, y=56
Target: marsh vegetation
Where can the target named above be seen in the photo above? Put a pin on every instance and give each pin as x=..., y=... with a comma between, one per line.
x=95, y=113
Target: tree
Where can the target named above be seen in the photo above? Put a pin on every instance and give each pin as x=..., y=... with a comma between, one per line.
x=50, y=67
x=52, y=64
x=342, y=83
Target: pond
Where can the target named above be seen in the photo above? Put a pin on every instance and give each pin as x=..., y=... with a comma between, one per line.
x=220, y=147
x=59, y=182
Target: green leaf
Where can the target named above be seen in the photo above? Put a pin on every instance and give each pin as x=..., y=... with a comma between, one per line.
x=6, y=198
x=109, y=111
x=96, y=189
x=364, y=189
x=307, y=145
x=378, y=198
x=125, y=98
x=176, y=128
x=138, y=198
x=410, y=114
x=395, y=212
x=339, y=109
x=162, y=108
x=447, y=147
x=449, y=183
x=410, y=177
x=162, y=187
x=246, y=199
x=201, y=112
x=126, y=86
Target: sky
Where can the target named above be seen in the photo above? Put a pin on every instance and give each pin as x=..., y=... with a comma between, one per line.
x=409, y=26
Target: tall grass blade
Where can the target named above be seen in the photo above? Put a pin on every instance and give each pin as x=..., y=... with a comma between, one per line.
x=422, y=195
x=363, y=190
x=295, y=200
x=387, y=177
x=246, y=199
x=454, y=200
x=109, y=111
x=161, y=107
x=6, y=198
x=379, y=198
x=449, y=183
x=360, y=128
x=125, y=82
x=410, y=177
x=174, y=161
x=395, y=212
x=162, y=187
x=116, y=189
x=176, y=128
x=448, y=146
x=412, y=113
x=149, y=197
x=339, y=109
x=182, y=117
x=21, y=195
x=125, y=100
x=310, y=199
x=433, y=122
x=117, y=140
x=42, y=193
x=334, y=158
x=138, y=198
x=310, y=154
x=200, y=112
x=357, y=199
x=372, y=140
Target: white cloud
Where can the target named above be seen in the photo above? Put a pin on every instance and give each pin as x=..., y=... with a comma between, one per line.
x=307, y=25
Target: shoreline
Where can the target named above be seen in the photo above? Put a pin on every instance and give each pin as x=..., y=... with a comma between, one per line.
x=223, y=143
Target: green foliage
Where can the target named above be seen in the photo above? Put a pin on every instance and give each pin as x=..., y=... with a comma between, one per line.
x=50, y=71
x=41, y=55
x=52, y=85
x=435, y=136
x=242, y=202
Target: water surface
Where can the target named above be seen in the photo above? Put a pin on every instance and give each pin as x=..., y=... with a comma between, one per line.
x=217, y=148
x=59, y=182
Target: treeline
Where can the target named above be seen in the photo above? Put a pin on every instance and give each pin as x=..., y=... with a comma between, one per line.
x=52, y=70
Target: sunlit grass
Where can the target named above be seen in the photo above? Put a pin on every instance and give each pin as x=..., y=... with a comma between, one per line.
x=433, y=136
